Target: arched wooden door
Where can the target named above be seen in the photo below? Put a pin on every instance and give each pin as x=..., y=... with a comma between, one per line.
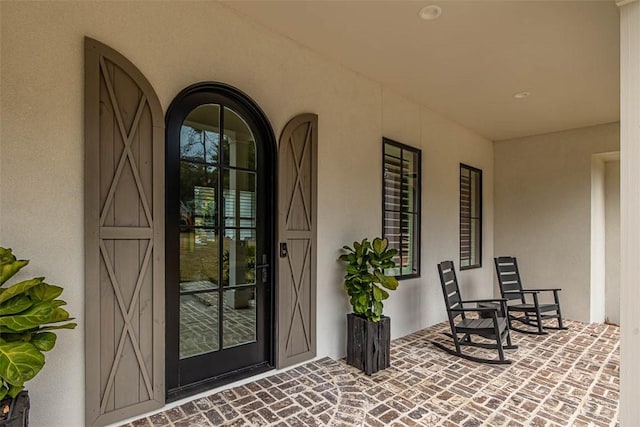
x=124, y=239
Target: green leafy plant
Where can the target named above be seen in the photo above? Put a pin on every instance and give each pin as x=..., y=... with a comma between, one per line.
x=365, y=278
x=29, y=311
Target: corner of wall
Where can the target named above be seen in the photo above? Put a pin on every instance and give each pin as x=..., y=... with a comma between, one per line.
x=597, y=243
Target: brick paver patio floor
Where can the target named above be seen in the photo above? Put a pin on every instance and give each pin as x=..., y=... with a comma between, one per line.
x=566, y=378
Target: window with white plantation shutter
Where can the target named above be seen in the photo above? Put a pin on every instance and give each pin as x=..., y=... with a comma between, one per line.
x=401, y=185
x=470, y=217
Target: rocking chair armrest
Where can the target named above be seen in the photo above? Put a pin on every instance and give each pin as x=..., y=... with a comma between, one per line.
x=476, y=309
x=498, y=300
x=544, y=290
x=524, y=291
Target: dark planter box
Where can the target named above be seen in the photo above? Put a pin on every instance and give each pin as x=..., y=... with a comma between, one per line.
x=18, y=415
x=368, y=343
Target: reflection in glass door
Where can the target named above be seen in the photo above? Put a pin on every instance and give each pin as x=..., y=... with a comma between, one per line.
x=223, y=285
x=217, y=258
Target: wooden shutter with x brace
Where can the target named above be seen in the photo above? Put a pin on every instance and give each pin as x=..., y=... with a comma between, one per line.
x=297, y=190
x=124, y=239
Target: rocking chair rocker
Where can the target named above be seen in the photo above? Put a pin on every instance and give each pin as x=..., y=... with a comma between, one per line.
x=493, y=325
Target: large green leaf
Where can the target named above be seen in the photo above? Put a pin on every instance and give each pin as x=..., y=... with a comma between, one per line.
x=358, y=248
x=377, y=309
x=59, y=315
x=346, y=257
x=44, y=341
x=57, y=303
x=362, y=303
x=379, y=245
x=387, y=264
x=54, y=327
x=15, y=336
x=19, y=288
x=37, y=315
x=45, y=292
x=389, y=254
x=367, y=278
x=9, y=265
x=352, y=269
x=6, y=256
x=388, y=282
x=377, y=294
x=15, y=305
x=3, y=391
x=19, y=362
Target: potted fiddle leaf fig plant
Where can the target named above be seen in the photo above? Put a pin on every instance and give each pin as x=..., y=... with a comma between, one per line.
x=29, y=313
x=367, y=285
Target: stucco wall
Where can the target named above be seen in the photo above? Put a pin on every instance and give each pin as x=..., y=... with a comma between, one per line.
x=542, y=196
x=444, y=145
x=612, y=241
x=177, y=44
x=629, y=207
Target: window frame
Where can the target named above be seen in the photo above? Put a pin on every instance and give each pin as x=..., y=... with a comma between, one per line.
x=479, y=208
x=417, y=226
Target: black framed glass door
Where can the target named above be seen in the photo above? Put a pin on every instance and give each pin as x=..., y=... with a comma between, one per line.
x=219, y=238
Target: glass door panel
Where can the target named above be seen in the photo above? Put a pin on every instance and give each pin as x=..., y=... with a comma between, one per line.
x=200, y=134
x=238, y=145
x=198, y=322
x=239, y=324
x=239, y=199
x=239, y=260
x=198, y=257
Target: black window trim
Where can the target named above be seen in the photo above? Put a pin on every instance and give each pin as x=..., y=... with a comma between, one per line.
x=480, y=210
x=418, y=203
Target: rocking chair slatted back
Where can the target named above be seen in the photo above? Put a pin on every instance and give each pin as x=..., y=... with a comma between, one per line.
x=450, y=289
x=509, y=277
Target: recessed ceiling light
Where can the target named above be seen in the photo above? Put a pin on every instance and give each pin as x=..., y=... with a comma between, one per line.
x=429, y=13
x=521, y=95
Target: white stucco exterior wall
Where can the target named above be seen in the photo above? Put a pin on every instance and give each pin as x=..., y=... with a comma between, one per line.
x=597, y=234
x=176, y=44
x=542, y=196
x=629, y=207
x=612, y=241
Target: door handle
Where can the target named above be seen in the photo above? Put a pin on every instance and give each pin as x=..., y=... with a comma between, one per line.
x=265, y=272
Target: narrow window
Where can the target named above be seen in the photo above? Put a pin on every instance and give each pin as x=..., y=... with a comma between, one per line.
x=401, y=189
x=470, y=217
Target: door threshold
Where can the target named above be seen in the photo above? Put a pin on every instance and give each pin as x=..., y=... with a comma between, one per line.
x=211, y=383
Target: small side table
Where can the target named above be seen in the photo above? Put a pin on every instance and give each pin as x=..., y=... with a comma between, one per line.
x=486, y=314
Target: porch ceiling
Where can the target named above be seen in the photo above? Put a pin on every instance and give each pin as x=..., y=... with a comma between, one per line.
x=468, y=63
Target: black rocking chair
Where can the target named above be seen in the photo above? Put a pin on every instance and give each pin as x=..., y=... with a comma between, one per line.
x=492, y=325
x=529, y=313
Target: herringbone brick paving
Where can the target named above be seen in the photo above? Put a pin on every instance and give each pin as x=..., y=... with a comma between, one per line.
x=565, y=378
